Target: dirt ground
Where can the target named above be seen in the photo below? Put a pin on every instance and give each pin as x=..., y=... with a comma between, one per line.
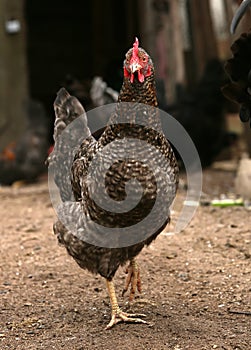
x=196, y=284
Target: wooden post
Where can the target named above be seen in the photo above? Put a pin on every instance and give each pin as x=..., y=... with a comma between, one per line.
x=175, y=53
x=161, y=36
x=13, y=73
x=178, y=49
x=203, y=36
x=147, y=26
x=228, y=4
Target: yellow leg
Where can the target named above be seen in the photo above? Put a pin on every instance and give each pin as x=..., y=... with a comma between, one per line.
x=117, y=314
x=133, y=278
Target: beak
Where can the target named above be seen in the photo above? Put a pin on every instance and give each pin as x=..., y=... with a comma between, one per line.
x=239, y=14
x=136, y=66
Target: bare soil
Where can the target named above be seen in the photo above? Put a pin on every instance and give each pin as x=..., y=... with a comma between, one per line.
x=196, y=284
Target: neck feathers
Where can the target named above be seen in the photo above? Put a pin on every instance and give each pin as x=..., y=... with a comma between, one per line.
x=139, y=92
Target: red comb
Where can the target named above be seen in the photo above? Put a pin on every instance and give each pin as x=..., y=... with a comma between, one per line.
x=135, y=49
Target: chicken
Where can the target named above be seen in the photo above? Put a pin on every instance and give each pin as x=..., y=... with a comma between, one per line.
x=91, y=93
x=91, y=222
x=102, y=94
x=23, y=159
x=239, y=68
x=201, y=112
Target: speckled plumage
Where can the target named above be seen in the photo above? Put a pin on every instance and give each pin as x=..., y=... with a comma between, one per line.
x=126, y=123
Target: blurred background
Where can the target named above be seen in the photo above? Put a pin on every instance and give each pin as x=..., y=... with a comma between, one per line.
x=49, y=44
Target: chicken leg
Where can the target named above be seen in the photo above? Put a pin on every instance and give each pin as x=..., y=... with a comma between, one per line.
x=133, y=278
x=117, y=314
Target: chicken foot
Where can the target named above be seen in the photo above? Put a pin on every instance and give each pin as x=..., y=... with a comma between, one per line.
x=117, y=314
x=133, y=278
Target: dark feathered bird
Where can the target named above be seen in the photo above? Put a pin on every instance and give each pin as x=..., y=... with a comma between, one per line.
x=23, y=159
x=239, y=70
x=201, y=111
x=128, y=122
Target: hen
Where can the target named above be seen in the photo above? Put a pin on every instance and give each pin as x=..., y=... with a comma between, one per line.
x=130, y=121
x=201, y=111
x=239, y=68
x=23, y=159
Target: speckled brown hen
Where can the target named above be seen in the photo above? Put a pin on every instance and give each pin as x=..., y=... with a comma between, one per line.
x=133, y=122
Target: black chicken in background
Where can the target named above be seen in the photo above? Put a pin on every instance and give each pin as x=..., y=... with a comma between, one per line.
x=239, y=68
x=201, y=112
x=23, y=159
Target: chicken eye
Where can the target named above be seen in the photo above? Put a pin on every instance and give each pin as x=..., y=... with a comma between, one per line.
x=144, y=59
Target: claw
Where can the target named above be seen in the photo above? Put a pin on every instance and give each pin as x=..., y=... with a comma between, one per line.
x=117, y=314
x=132, y=278
x=121, y=316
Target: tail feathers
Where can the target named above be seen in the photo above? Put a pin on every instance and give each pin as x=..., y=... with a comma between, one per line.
x=67, y=108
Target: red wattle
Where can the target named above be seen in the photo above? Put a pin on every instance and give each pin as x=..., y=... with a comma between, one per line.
x=141, y=77
x=126, y=73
